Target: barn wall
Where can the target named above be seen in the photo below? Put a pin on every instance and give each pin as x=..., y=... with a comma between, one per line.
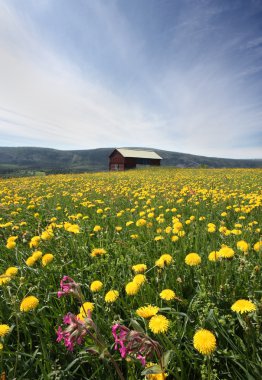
x=118, y=163
x=130, y=163
x=116, y=167
x=155, y=162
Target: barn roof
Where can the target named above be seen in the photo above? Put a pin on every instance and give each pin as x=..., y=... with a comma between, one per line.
x=139, y=153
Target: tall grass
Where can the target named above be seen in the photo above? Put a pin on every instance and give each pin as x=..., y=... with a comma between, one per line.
x=230, y=199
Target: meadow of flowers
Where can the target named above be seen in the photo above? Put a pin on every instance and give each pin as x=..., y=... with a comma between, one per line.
x=148, y=274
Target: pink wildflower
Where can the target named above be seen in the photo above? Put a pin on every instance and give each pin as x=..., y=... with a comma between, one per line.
x=69, y=286
x=133, y=343
x=74, y=333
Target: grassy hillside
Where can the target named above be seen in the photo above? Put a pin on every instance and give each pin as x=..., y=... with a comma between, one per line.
x=26, y=161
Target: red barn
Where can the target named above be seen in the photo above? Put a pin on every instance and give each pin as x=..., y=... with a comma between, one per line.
x=123, y=159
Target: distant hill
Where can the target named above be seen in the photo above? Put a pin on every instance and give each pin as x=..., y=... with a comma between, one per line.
x=27, y=160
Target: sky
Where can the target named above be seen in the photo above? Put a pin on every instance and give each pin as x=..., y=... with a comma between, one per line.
x=178, y=75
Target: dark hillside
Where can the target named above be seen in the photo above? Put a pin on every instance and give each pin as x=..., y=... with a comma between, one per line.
x=26, y=160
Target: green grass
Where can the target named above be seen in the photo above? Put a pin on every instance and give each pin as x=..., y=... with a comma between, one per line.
x=206, y=292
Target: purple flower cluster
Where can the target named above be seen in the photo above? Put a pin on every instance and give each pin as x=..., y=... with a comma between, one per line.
x=74, y=333
x=68, y=286
x=133, y=343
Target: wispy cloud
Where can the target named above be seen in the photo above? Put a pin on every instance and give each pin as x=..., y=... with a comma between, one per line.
x=48, y=99
x=109, y=85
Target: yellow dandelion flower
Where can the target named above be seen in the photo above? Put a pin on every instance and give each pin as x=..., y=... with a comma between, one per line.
x=97, y=228
x=257, y=246
x=111, y=296
x=12, y=238
x=74, y=228
x=34, y=242
x=81, y=317
x=204, y=341
x=29, y=303
x=134, y=236
x=132, y=288
x=140, y=222
x=87, y=306
x=30, y=261
x=147, y=311
x=46, y=235
x=168, y=230
x=11, y=271
x=211, y=229
x=223, y=230
x=235, y=231
x=177, y=226
x=47, y=258
x=4, y=279
x=4, y=329
x=167, y=294
x=96, y=286
x=167, y=258
x=213, y=256
x=98, y=252
x=158, y=324
x=160, y=263
x=242, y=245
x=192, y=259
x=139, y=279
x=10, y=244
x=139, y=268
x=155, y=376
x=37, y=255
x=226, y=252
x=159, y=237
x=243, y=306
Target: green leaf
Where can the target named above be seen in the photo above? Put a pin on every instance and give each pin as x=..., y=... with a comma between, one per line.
x=210, y=315
x=103, y=353
x=93, y=350
x=166, y=358
x=136, y=326
x=165, y=309
x=154, y=369
x=72, y=364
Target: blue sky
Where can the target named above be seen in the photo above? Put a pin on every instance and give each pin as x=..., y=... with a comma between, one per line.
x=180, y=75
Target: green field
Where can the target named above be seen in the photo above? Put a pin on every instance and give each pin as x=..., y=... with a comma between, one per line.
x=185, y=241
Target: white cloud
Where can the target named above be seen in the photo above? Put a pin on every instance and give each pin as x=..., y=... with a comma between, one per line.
x=55, y=105
x=46, y=99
